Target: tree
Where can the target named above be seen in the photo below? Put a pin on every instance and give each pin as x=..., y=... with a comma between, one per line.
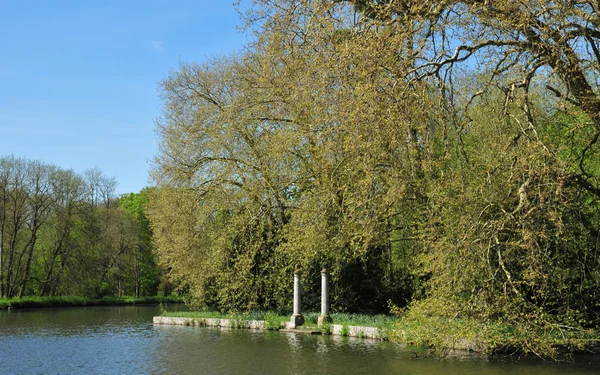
x=68, y=190
x=143, y=267
x=443, y=153
x=268, y=176
x=61, y=234
x=41, y=199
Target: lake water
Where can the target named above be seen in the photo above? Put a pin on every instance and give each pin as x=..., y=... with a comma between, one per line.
x=123, y=340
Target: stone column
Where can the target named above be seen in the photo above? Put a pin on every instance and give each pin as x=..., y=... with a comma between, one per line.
x=324, y=317
x=297, y=319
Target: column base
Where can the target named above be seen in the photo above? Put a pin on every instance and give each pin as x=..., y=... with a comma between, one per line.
x=296, y=320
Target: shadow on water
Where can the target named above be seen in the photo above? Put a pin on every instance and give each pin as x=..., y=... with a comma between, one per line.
x=122, y=340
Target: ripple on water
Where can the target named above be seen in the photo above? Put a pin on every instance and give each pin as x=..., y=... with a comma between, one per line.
x=119, y=340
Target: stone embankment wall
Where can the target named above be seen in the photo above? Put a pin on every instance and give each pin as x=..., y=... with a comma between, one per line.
x=336, y=329
x=355, y=331
x=210, y=322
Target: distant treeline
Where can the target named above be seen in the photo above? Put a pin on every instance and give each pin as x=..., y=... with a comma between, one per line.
x=74, y=301
x=62, y=233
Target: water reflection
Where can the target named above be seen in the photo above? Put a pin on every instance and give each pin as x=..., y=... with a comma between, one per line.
x=122, y=340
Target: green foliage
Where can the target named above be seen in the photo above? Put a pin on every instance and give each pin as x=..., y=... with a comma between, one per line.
x=325, y=328
x=469, y=192
x=64, y=234
x=273, y=321
x=423, y=326
x=146, y=271
x=311, y=318
x=345, y=331
x=377, y=321
x=509, y=243
x=246, y=199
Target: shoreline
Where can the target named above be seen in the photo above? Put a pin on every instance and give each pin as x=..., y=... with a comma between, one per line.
x=403, y=335
x=263, y=325
x=47, y=302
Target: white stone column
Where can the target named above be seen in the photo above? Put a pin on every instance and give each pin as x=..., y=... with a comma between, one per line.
x=324, y=317
x=297, y=301
x=297, y=319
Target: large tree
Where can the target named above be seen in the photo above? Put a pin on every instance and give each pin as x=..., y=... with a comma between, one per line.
x=446, y=149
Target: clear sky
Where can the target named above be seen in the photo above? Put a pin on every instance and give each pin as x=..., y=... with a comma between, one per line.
x=79, y=79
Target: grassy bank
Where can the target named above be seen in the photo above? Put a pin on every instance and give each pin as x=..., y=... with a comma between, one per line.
x=38, y=302
x=495, y=338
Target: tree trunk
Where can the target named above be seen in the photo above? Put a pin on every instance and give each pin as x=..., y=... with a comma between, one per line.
x=28, y=264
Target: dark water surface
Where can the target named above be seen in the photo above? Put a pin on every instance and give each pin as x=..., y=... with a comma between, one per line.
x=122, y=340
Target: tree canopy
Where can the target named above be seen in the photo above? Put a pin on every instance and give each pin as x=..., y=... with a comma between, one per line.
x=438, y=155
x=62, y=233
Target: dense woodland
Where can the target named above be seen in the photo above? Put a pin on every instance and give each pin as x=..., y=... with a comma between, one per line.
x=441, y=156
x=66, y=234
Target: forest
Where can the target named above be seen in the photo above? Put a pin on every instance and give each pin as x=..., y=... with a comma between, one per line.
x=441, y=156
x=65, y=234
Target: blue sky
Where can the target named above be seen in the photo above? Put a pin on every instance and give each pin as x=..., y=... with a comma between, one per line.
x=79, y=79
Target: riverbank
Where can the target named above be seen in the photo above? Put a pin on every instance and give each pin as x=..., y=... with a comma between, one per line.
x=284, y=326
x=66, y=301
x=495, y=338
x=352, y=325
x=436, y=335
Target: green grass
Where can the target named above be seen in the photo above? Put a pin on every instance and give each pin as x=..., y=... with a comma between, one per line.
x=378, y=321
x=310, y=318
x=197, y=314
x=250, y=315
x=273, y=320
x=70, y=301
